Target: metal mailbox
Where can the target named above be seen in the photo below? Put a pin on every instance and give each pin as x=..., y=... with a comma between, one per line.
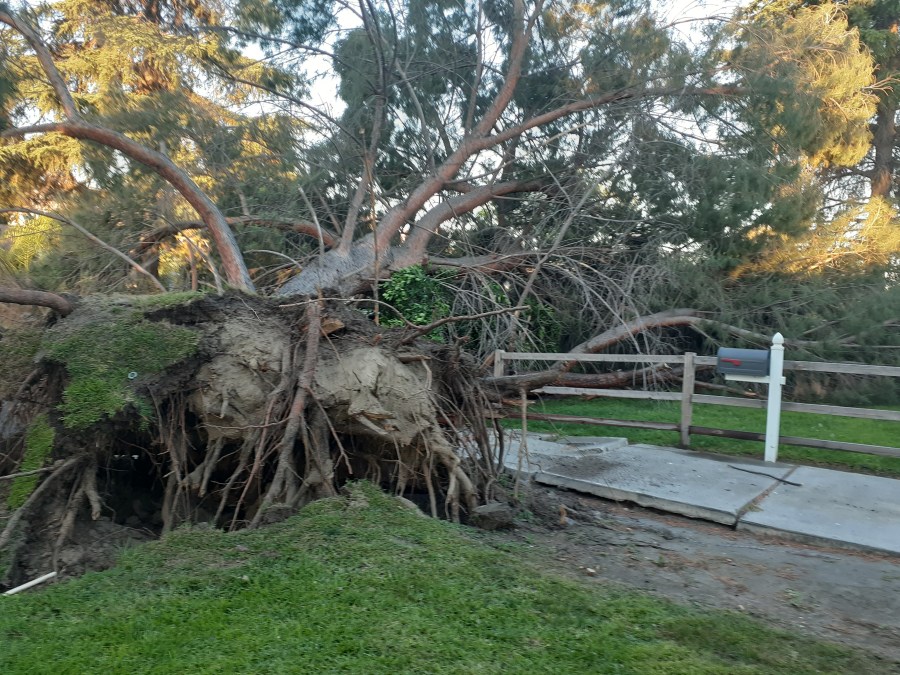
x=738, y=364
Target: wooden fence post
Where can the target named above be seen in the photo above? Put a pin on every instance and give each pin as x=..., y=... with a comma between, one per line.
x=498, y=362
x=687, y=400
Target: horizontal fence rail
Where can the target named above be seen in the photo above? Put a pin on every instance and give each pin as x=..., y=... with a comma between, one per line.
x=688, y=398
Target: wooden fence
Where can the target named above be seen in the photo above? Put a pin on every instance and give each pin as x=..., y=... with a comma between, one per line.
x=688, y=398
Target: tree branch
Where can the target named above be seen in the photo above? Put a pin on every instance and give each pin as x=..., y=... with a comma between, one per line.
x=599, y=102
x=491, y=262
x=232, y=260
x=598, y=343
x=673, y=317
x=479, y=141
x=397, y=217
x=424, y=330
x=620, y=378
x=472, y=198
x=20, y=296
x=44, y=57
x=75, y=127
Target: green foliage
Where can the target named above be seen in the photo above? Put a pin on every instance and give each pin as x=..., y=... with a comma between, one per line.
x=731, y=177
x=38, y=447
x=300, y=21
x=100, y=355
x=843, y=308
x=7, y=89
x=27, y=239
x=363, y=585
x=812, y=72
x=420, y=297
x=544, y=326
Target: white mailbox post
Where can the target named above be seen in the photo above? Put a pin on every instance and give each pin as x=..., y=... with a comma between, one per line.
x=773, y=411
x=767, y=367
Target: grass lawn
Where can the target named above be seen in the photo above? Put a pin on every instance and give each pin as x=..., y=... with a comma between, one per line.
x=363, y=585
x=825, y=427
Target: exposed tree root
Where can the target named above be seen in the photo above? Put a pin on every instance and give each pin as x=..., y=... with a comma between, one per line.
x=265, y=418
x=85, y=489
x=36, y=496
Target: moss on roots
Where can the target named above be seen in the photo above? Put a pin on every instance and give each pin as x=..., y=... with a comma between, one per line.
x=104, y=359
x=38, y=446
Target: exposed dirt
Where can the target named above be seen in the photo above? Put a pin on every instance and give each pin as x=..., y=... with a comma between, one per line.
x=845, y=597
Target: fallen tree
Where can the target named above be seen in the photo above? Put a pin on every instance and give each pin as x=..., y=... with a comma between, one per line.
x=139, y=413
x=237, y=409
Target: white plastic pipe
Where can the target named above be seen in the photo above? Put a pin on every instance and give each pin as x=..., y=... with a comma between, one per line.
x=33, y=582
x=773, y=411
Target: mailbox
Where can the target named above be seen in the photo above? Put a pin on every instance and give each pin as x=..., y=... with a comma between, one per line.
x=748, y=365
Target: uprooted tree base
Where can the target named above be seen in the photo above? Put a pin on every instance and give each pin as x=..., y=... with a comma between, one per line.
x=144, y=413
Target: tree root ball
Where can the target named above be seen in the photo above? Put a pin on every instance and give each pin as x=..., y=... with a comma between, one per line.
x=229, y=410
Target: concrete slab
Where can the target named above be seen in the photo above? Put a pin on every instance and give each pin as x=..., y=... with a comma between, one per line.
x=543, y=447
x=536, y=447
x=678, y=481
x=832, y=507
x=589, y=443
x=554, y=445
x=829, y=507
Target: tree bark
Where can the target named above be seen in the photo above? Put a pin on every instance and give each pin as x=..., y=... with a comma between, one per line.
x=620, y=378
x=19, y=296
x=883, y=141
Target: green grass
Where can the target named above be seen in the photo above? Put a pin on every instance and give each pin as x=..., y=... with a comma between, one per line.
x=363, y=585
x=826, y=427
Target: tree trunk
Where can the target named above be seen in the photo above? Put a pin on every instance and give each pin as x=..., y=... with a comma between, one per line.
x=883, y=141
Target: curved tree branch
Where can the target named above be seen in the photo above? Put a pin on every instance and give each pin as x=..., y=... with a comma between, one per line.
x=426, y=226
x=75, y=127
x=20, y=296
x=672, y=317
x=479, y=140
x=606, y=339
x=598, y=102
x=232, y=260
x=397, y=217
